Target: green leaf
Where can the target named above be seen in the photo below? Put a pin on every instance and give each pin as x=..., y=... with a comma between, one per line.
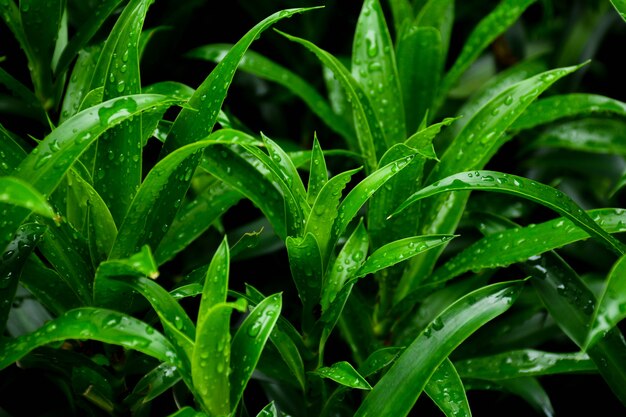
x=13, y=153
x=79, y=82
x=487, y=30
x=318, y=173
x=344, y=374
x=187, y=412
x=527, y=388
x=374, y=64
x=153, y=209
x=401, y=11
x=46, y=165
x=14, y=256
x=559, y=107
x=523, y=187
x=325, y=210
x=96, y=324
x=361, y=192
x=520, y=363
x=378, y=360
x=20, y=193
x=519, y=244
x=195, y=218
x=215, y=285
x=85, y=32
x=259, y=65
x=400, y=250
x=48, y=287
x=369, y=134
x=446, y=390
x=620, y=6
x=108, y=292
x=269, y=410
x=588, y=135
x=151, y=385
x=248, y=343
x=32, y=107
x=399, y=388
x=611, y=308
x=420, y=62
x=197, y=121
x=345, y=266
x=119, y=151
x=305, y=262
x=211, y=358
x=177, y=326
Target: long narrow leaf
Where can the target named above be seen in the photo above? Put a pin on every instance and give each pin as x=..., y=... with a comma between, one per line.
x=446, y=390
x=97, y=324
x=397, y=391
x=523, y=187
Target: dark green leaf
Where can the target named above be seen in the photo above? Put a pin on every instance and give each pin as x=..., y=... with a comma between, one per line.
x=522, y=363
x=92, y=323
x=19, y=193
x=523, y=187
x=14, y=256
x=588, y=135
x=344, y=374
x=151, y=385
x=259, y=65
x=397, y=391
x=249, y=342
x=318, y=174
x=374, y=64
x=446, y=390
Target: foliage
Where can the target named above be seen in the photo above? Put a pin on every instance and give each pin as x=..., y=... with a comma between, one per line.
x=311, y=228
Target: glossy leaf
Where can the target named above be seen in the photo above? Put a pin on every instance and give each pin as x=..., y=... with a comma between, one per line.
x=378, y=360
x=249, y=342
x=96, y=324
x=269, y=410
x=527, y=388
x=519, y=244
x=399, y=388
x=446, y=390
x=215, y=286
x=188, y=412
x=152, y=209
x=523, y=187
x=118, y=160
x=420, y=61
x=177, y=326
x=109, y=292
x=318, y=174
x=86, y=31
x=325, y=210
x=588, y=135
x=152, y=385
x=374, y=64
x=348, y=261
x=211, y=358
x=197, y=121
x=195, y=217
x=522, y=363
x=344, y=374
x=261, y=66
x=79, y=82
x=305, y=262
x=400, y=250
x=48, y=287
x=14, y=256
x=611, y=308
x=559, y=107
x=369, y=134
x=620, y=6
x=361, y=192
x=19, y=193
x=487, y=30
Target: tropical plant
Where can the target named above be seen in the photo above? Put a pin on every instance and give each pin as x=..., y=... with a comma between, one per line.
x=130, y=210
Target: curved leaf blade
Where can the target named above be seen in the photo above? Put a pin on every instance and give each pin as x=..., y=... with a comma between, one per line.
x=103, y=325
x=19, y=193
x=446, y=390
x=397, y=391
x=374, y=64
x=400, y=250
x=197, y=121
x=524, y=363
x=261, y=66
x=611, y=308
x=344, y=374
x=523, y=187
x=248, y=343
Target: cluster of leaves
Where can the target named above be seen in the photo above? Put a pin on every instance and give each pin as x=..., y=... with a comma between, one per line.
x=384, y=247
